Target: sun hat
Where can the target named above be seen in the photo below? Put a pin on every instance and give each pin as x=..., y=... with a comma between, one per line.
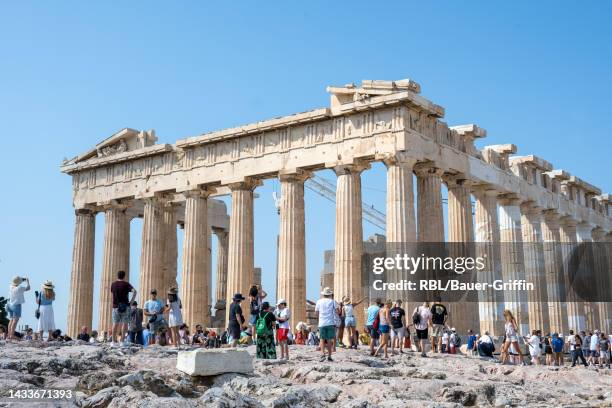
x=172, y=291
x=453, y=329
x=17, y=280
x=327, y=291
x=346, y=300
x=238, y=296
x=48, y=285
x=281, y=302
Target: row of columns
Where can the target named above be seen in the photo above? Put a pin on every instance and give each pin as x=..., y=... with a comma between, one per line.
x=512, y=223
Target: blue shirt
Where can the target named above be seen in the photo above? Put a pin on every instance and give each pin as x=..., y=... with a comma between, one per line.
x=557, y=345
x=471, y=341
x=372, y=313
x=153, y=306
x=44, y=301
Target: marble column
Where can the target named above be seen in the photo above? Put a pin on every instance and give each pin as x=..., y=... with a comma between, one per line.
x=169, y=269
x=195, y=283
x=575, y=315
x=589, y=309
x=240, y=260
x=513, y=265
x=487, y=237
x=115, y=258
x=603, y=280
x=533, y=252
x=401, y=222
x=430, y=218
x=463, y=312
x=291, y=284
x=349, y=236
x=553, y=264
x=221, y=275
x=153, y=249
x=80, y=305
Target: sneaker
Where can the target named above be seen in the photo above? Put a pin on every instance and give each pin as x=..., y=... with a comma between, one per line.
x=322, y=358
x=423, y=355
x=329, y=358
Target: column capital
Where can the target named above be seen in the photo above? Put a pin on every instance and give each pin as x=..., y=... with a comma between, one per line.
x=399, y=159
x=220, y=232
x=551, y=217
x=351, y=168
x=484, y=190
x=568, y=221
x=248, y=183
x=85, y=212
x=202, y=192
x=510, y=200
x=115, y=205
x=456, y=180
x=530, y=208
x=425, y=169
x=298, y=175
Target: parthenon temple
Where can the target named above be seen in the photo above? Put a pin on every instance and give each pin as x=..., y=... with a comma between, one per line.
x=518, y=199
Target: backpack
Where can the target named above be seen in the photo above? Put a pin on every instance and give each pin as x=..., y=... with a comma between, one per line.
x=262, y=328
x=457, y=340
x=376, y=322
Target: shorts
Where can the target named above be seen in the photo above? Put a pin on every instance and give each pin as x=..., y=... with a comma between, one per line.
x=253, y=320
x=349, y=321
x=281, y=334
x=398, y=332
x=438, y=330
x=558, y=354
x=121, y=317
x=14, y=311
x=384, y=329
x=586, y=352
x=422, y=334
x=511, y=339
x=548, y=350
x=374, y=333
x=327, y=332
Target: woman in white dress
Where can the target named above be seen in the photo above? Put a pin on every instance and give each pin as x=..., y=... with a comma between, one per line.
x=46, y=321
x=175, y=318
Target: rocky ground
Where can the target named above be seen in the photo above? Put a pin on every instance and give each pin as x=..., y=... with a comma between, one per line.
x=134, y=377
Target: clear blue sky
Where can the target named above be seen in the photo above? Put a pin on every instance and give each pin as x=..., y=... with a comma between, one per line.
x=537, y=74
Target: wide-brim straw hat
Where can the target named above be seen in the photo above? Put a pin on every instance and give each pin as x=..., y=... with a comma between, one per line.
x=17, y=280
x=48, y=285
x=281, y=302
x=172, y=291
x=346, y=300
x=327, y=291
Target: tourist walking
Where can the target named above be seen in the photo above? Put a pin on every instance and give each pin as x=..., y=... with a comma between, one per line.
x=556, y=343
x=373, y=323
x=46, y=320
x=175, y=316
x=350, y=322
x=385, y=327
x=236, y=320
x=15, y=300
x=439, y=315
x=575, y=342
x=327, y=309
x=603, y=349
x=422, y=320
x=121, y=306
x=510, y=328
x=398, y=326
x=283, y=315
x=265, y=333
x=154, y=310
x=135, y=327
x=533, y=343
x=592, y=345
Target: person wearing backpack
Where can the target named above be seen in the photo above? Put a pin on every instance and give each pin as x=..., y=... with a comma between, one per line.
x=421, y=317
x=264, y=327
x=454, y=341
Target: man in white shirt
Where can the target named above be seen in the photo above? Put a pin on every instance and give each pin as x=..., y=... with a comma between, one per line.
x=327, y=309
x=283, y=315
x=15, y=300
x=485, y=345
x=421, y=317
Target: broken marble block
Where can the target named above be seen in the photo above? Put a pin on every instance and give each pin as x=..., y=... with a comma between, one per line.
x=205, y=362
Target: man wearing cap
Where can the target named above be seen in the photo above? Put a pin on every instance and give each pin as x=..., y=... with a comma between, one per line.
x=236, y=319
x=283, y=315
x=327, y=309
x=154, y=309
x=15, y=300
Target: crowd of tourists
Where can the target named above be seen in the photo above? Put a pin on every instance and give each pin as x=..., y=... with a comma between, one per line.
x=388, y=329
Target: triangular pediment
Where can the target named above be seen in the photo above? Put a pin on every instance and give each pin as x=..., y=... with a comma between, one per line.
x=126, y=139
